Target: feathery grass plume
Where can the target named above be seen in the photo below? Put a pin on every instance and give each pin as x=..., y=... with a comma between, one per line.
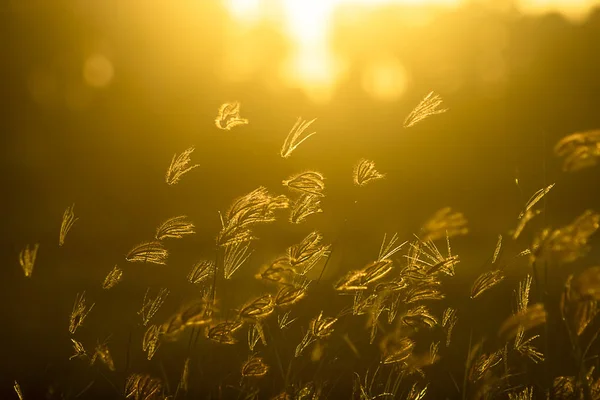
x=363, y=304
x=530, y=318
x=486, y=281
x=449, y=319
x=79, y=350
x=279, y=271
x=497, y=249
x=229, y=116
x=68, y=221
x=310, y=390
x=113, y=277
x=257, y=309
x=365, y=390
x=413, y=365
x=483, y=364
x=103, y=354
x=185, y=376
x=372, y=304
x=525, y=394
x=18, y=390
x=306, y=341
x=444, y=223
x=311, y=182
x=151, y=341
x=253, y=208
x=581, y=150
x=434, y=349
x=284, y=321
x=151, y=305
x=393, y=307
x=321, y=327
x=523, y=253
x=535, y=198
x=223, y=332
x=254, y=335
x=352, y=281
x=175, y=227
x=179, y=166
x=296, y=137
x=524, y=220
x=416, y=393
x=172, y=328
x=423, y=291
x=376, y=270
x=522, y=295
x=432, y=262
x=578, y=308
x=564, y=387
x=427, y=107
x=235, y=256
x=152, y=252
x=525, y=347
x=142, y=387
x=419, y=316
x=305, y=255
x=581, y=158
x=79, y=313
x=395, y=357
x=389, y=249
x=27, y=259
x=258, y=326
x=303, y=206
x=574, y=140
x=282, y=396
x=395, y=349
x=255, y=367
x=374, y=313
x=594, y=385
x=288, y=295
x=566, y=244
x=365, y=172
x=385, y=288
x=587, y=284
x=198, y=312
x=201, y=271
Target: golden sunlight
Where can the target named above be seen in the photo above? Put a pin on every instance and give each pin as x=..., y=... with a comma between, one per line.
x=312, y=65
x=385, y=79
x=315, y=68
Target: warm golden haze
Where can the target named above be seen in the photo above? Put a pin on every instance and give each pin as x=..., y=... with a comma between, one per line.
x=300, y=200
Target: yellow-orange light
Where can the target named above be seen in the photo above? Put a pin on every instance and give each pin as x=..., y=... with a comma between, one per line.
x=98, y=70
x=314, y=67
x=385, y=79
x=244, y=10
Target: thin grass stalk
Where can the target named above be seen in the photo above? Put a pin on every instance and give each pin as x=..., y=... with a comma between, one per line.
x=189, y=351
x=215, y=269
x=112, y=385
x=543, y=299
x=127, y=359
x=339, y=236
x=578, y=355
x=466, y=374
x=543, y=291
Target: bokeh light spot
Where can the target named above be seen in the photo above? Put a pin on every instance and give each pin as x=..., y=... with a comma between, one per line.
x=385, y=79
x=98, y=70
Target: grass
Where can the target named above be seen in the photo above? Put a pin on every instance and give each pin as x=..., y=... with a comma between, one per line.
x=387, y=328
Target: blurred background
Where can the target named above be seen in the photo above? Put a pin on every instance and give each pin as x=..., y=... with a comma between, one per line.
x=97, y=96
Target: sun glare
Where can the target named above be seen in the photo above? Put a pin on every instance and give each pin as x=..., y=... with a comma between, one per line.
x=244, y=10
x=314, y=67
